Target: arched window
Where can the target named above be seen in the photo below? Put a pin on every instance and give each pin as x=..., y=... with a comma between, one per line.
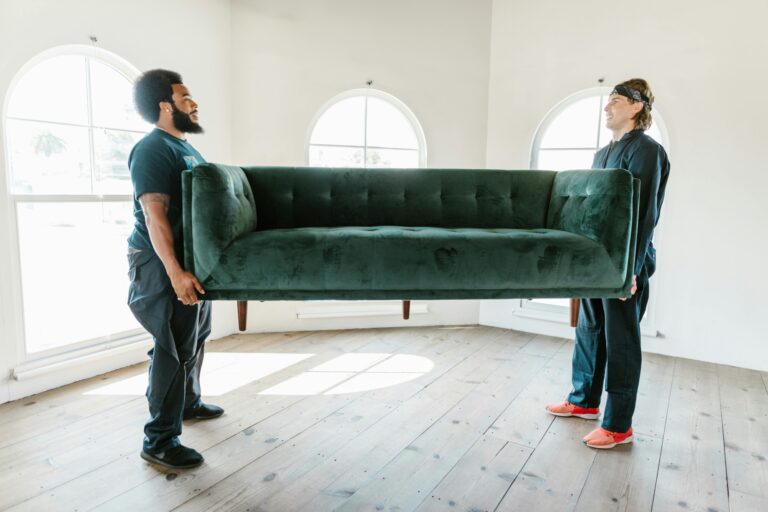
x=69, y=126
x=568, y=138
x=366, y=128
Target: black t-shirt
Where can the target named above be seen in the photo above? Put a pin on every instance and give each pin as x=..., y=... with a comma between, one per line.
x=156, y=163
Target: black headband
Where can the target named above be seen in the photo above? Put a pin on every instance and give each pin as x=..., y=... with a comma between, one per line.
x=633, y=94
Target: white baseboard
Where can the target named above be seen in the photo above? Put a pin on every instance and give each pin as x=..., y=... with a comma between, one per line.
x=349, y=310
x=279, y=316
x=508, y=314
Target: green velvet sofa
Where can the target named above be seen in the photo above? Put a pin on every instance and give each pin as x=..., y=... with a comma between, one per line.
x=304, y=233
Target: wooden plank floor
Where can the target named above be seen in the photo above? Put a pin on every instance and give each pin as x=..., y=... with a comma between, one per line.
x=422, y=419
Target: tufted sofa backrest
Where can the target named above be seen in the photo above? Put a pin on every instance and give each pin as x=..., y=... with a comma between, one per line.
x=288, y=197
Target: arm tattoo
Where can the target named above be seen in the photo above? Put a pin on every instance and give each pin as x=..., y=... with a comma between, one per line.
x=153, y=197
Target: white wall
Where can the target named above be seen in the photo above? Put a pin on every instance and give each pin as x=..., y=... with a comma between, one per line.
x=706, y=65
x=289, y=58
x=191, y=36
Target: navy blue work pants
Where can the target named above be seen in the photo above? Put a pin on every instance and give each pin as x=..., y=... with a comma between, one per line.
x=179, y=333
x=607, y=352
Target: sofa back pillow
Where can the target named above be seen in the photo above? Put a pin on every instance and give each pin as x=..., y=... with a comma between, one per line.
x=292, y=197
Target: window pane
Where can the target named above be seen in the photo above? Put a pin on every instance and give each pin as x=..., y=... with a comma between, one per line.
x=555, y=160
x=325, y=156
x=112, y=94
x=392, y=158
x=388, y=127
x=342, y=124
x=605, y=133
x=112, y=149
x=575, y=127
x=73, y=270
x=54, y=90
x=48, y=158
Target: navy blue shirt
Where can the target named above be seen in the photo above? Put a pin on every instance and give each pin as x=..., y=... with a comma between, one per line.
x=156, y=163
x=647, y=160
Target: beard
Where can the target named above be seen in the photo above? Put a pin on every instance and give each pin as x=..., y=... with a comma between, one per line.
x=184, y=123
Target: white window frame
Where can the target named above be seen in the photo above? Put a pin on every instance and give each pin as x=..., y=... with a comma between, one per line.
x=369, y=93
x=16, y=320
x=560, y=314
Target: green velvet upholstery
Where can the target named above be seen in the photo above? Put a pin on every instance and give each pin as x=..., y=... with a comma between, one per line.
x=327, y=233
x=593, y=204
x=329, y=197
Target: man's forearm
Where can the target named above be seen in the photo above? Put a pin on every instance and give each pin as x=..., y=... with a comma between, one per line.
x=161, y=236
x=155, y=208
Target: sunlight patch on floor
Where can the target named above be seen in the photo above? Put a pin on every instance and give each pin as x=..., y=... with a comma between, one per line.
x=222, y=372
x=354, y=373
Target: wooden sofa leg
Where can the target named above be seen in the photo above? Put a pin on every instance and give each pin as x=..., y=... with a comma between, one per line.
x=242, y=314
x=574, y=312
x=406, y=309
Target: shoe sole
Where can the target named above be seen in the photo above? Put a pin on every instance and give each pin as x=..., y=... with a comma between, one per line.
x=571, y=415
x=202, y=417
x=154, y=460
x=609, y=446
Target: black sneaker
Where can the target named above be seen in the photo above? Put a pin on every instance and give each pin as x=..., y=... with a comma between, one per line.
x=178, y=457
x=204, y=412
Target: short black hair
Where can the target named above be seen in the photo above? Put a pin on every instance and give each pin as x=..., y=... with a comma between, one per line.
x=150, y=89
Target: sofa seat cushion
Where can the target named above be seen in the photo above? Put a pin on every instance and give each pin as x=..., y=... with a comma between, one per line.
x=395, y=258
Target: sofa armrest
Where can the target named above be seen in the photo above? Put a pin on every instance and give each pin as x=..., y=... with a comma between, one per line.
x=601, y=205
x=218, y=207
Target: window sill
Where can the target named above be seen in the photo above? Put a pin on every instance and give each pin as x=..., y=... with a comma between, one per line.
x=46, y=365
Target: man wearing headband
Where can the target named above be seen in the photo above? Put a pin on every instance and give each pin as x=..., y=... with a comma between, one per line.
x=608, y=331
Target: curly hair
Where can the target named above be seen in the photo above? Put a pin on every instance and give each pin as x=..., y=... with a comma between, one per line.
x=150, y=89
x=643, y=119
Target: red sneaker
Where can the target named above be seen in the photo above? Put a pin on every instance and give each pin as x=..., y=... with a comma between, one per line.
x=567, y=409
x=603, y=439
